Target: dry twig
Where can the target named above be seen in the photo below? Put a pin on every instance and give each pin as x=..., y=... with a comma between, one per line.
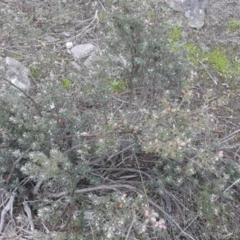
x=7, y=208
x=29, y=215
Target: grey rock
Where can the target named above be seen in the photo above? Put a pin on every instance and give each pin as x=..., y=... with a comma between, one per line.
x=76, y=66
x=90, y=60
x=176, y=5
x=196, y=18
x=193, y=9
x=51, y=39
x=17, y=74
x=82, y=50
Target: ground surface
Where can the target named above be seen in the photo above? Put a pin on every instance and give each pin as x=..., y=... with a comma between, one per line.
x=214, y=54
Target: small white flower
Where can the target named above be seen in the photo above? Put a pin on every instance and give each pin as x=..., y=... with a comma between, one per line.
x=109, y=235
x=146, y=213
x=52, y=106
x=154, y=214
x=69, y=45
x=16, y=153
x=153, y=219
x=220, y=154
x=120, y=222
x=143, y=229
x=123, y=198
x=84, y=134
x=160, y=224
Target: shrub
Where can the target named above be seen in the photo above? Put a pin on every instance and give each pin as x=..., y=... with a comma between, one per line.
x=135, y=35
x=135, y=133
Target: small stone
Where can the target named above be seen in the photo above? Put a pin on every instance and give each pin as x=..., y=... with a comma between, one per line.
x=193, y=9
x=17, y=74
x=76, y=66
x=51, y=39
x=83, y=50
x=69, y=45
x=197, y=20
x=88, y=215
x=89, y=61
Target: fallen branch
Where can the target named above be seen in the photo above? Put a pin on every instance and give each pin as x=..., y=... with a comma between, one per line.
x=36, y=188
x=29, y=215
x=7, y=208
x=96, y=135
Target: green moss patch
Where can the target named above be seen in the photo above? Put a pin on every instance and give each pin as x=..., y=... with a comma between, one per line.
x=217, y=58
x=220, y=61
x=66, y=83
x=118, y=86
x=176, y=34
x=233, y=24
x=194, y=53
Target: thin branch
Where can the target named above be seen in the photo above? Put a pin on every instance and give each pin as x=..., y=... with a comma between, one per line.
x=140, y=172
x=95, y=135
x=117, y=99
x=227, y=138
x=182, y=232
x=93, y=235
x=205, y=68
x=189, y=225
x=130, y=227
x=104, y=9
x=113, y=155
x=7, y=208
x=60, y=218
x=87, y=28
x=29, y=215
x=67, y=207
x=232, y=185
x=36, y=188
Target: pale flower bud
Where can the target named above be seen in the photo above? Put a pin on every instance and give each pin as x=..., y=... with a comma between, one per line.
x=153, y=219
